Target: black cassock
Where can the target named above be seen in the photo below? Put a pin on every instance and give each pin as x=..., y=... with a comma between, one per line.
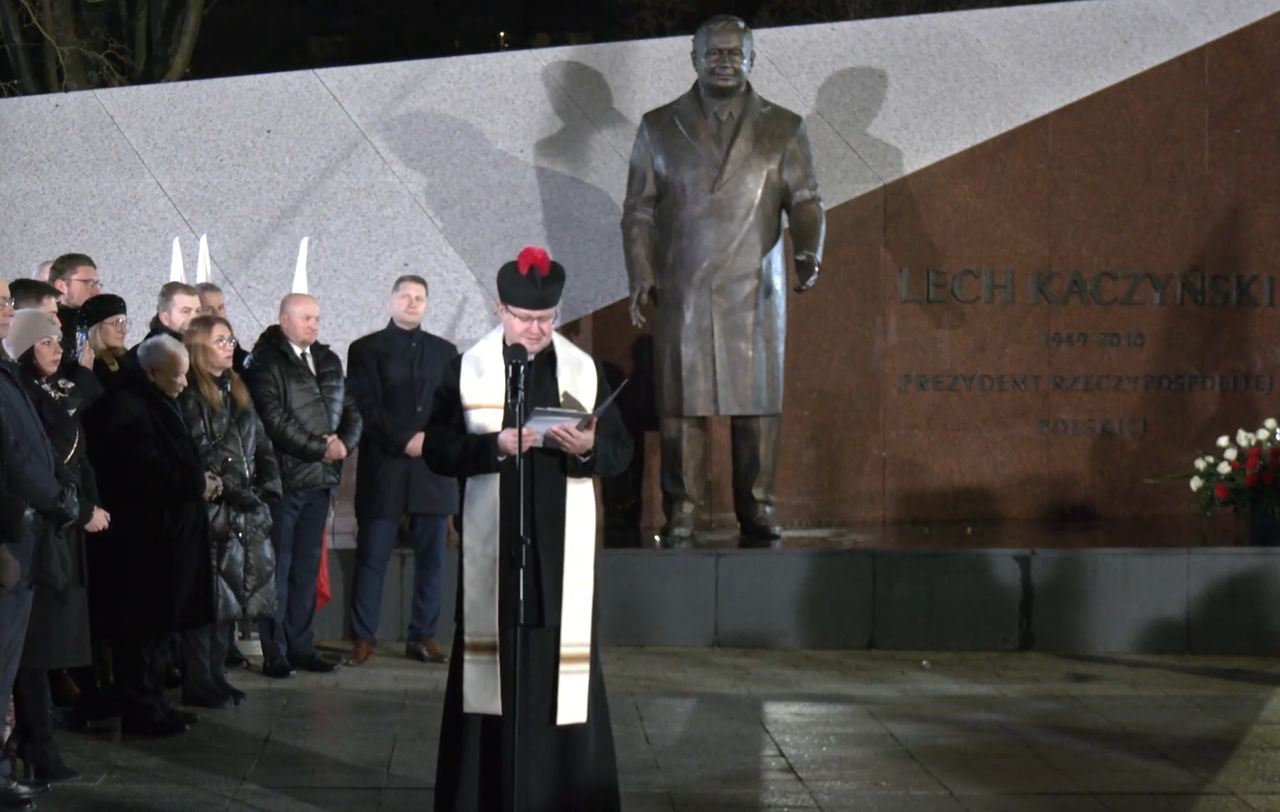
x=570, y=767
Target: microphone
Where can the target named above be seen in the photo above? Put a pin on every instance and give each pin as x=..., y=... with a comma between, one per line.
x=516, y=357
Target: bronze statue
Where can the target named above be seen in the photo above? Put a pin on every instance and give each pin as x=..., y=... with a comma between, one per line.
x=711, y=174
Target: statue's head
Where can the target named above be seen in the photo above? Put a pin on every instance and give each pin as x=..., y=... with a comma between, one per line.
x=722, y=55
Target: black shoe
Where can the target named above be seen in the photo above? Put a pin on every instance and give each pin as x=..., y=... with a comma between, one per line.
x=15, y=804
x=18, y=795
x=12, y=790
x=43, y=765
x=186, y=717
x=277, y=668
x=170, y=725
x=315, y=664
x=232, y=693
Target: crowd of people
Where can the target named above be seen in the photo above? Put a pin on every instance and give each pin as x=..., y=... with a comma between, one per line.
x=152, y=496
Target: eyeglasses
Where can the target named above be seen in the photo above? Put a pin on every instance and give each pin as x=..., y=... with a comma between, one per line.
x=96, y=284
x=8, y=302
x=229, y=341
x=529, y=321
x=120, y=323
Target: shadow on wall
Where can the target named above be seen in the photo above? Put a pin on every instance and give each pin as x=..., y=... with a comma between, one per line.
x=489, y=203
x=849, y=101
x=580, y=219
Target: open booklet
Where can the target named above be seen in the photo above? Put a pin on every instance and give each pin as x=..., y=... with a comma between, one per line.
x=545, y=417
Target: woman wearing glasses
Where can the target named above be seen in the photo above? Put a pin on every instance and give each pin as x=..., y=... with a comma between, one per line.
x=104, y=320
x=58, y=634
x=233, y=445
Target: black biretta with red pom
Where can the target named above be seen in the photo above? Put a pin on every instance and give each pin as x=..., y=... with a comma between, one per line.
x=533, y=281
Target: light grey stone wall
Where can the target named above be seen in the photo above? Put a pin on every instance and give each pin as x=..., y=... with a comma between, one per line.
x=447, y=167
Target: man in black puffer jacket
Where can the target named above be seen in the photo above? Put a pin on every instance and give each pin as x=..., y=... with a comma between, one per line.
x=299, y=391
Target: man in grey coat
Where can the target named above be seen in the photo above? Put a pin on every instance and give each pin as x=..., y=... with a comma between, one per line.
x=711, y=175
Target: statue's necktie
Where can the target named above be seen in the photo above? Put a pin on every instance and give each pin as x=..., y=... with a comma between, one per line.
x=723, y=130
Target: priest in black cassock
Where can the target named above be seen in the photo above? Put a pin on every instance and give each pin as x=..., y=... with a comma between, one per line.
x=563, y=746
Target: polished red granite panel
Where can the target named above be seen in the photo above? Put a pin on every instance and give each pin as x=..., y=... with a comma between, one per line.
x=1028, y=330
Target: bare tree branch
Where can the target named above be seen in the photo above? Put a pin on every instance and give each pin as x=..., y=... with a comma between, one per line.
x=16, y=47
x=74, y=74
x=184, y=42
x=140, y=52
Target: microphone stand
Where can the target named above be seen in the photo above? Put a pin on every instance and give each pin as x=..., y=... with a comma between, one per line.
x=521, y=561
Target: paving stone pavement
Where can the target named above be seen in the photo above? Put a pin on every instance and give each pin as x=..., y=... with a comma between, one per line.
x=729, y=729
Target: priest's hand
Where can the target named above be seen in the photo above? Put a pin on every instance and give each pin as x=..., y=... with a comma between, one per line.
x=507, y=441
x=573, y=440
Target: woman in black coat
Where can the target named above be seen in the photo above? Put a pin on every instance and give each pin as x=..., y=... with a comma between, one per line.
x=58, y=633
x=105, y=321
x=232, y=444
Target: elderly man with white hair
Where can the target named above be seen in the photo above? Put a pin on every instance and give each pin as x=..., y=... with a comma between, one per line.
x=153, y=484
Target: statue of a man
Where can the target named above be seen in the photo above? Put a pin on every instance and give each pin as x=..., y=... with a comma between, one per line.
x=711, y=174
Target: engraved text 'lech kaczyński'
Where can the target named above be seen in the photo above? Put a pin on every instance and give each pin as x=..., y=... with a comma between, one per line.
x=1196, y=288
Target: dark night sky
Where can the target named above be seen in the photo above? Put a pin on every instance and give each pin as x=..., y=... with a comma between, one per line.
x=239, y=37
x=253, y=36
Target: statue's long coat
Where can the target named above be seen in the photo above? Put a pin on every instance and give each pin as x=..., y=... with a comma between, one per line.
x=707, y=226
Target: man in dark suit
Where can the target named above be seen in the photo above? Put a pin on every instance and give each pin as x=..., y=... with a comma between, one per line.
x=213, y=302
x=393, y=375
x=76, y=278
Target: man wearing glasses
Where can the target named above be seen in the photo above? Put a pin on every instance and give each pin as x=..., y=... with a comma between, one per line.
x=213, y=302
x=76, y=278
x=564, y=742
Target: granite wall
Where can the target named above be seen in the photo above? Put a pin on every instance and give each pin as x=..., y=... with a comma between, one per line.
x=1135, y=136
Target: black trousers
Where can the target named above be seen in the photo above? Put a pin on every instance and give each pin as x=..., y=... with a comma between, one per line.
x=139, y=665
x=33, y=713
x=204, y=659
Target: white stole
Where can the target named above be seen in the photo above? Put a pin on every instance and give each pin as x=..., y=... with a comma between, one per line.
x=483, y=389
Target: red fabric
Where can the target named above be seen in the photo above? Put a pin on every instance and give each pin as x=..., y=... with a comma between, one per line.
x=533, y=257
x=323, y=592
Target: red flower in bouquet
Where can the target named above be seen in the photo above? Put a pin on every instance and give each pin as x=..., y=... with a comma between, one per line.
x=1243, y=474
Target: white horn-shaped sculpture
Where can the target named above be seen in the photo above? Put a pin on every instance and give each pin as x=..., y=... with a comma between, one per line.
x=176, y=271
x=300, y=270
x=204, y=269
